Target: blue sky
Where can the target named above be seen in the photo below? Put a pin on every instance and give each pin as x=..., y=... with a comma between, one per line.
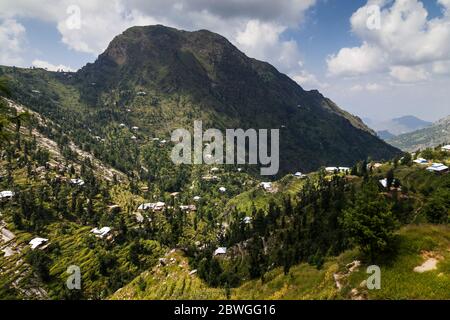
x=401, y=67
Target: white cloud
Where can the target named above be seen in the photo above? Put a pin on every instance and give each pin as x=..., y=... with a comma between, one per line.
x=50, y=67
x=409, y=74
x=441, y=67
x=370, y=87
x=12, y=38
x=356, y=61
x=406, y=42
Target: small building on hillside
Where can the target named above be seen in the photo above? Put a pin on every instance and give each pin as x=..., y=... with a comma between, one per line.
x=6, y=195
x=446, y=148
x=384, y=183
x=421, y=161
x=332, y=169
x=77, y=182
x=157, y=206
x=223, y=189
x=345, y=170
x=438, y=168
x=221, y=251
x=299, y=175
x=101, y=233
x=37, y=242
x=267, y=186
x=247, y=220
x=188, y=208
x=197, y=198
x=210, y=178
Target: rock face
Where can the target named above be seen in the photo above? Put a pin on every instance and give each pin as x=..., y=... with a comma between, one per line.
x=160, y=78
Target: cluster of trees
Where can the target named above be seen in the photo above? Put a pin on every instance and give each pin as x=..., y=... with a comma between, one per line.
x=327, y=217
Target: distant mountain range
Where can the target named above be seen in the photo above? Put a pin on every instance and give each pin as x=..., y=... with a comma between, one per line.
x=397, y=126
x=436, y=134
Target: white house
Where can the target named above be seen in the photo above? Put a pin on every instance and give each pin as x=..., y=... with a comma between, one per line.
x=197, y=198
x=220, y=251
x=141, y=93
x=223, y=189
x=77, y=182
x=101, y=233
x=189, y=207
x=438, y=168
x=158, y=206
x=122, y=125
x=446, y=148
x=133, y=138
x=6, y=195
x=210, y=178
x=331, y=169
x=421, y=161
x=36, y=242
x=135, y=128
x=299, y=175
x=344, y=169
x=384, y=183
x=266, y=185
x=247, y=220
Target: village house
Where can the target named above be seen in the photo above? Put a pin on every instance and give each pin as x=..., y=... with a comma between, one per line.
x=299, y=175
x=223, y=189
x=77, y=182
x=141, y=93
x=384, y=183
x=446, y=148
x=332, y=169
x=221, y=251
x=335, y=170
x=247, y=220
x=135, y=128
x=37, y=242
x=267, y=186
x=101, y=233
x=197, y=198
x=345, y=170
x=158, y=206
x=188, y=208
x=438, y=168
x=6, y=195
x=210, y=178
x=421, y=161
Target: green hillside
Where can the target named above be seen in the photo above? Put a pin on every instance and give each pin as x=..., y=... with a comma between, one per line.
x=159, y=79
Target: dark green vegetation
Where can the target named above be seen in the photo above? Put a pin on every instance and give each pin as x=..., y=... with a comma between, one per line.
x=159, y=79
x=436, y=134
